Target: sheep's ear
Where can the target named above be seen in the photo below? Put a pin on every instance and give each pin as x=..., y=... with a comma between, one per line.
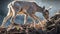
x=43, y=7
x=49, y=7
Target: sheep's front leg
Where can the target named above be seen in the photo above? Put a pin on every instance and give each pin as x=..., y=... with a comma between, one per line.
x=32, y=16
x=35, y=17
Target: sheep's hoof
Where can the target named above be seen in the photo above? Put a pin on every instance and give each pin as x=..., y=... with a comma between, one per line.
x=2, y=26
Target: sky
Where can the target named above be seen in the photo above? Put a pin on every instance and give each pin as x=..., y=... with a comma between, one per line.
x=47, y=3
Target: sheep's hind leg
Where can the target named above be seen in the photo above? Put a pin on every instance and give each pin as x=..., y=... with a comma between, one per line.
x=6, y=18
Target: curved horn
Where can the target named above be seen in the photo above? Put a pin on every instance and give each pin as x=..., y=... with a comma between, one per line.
x=49, y=8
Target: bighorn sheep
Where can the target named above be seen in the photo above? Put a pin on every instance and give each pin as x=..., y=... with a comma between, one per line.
x=25, y=8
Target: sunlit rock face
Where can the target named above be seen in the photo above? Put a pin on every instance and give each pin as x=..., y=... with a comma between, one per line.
x=54, y=3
